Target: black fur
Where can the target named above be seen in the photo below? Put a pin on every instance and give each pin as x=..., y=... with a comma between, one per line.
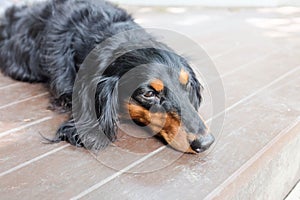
x=48, y=43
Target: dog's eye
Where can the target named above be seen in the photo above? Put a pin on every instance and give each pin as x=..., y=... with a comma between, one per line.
x=149, y=94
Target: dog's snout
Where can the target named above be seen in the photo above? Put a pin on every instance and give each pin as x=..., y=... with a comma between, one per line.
x=195, y=125
x=203, y=143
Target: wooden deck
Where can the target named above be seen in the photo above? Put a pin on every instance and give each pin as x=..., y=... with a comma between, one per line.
x=256, y=156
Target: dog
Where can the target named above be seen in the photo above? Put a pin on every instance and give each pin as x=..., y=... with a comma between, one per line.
x=48, y=42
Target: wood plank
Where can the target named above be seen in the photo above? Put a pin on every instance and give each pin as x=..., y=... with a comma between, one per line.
x=19, y=92
x=295, y=193
x=24, y=113
x=5, y=81
x=26, y=144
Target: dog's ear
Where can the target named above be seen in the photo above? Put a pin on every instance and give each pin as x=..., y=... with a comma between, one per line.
x=195, y=91
x=106, y=105
x=95, y=114
x=194, y=87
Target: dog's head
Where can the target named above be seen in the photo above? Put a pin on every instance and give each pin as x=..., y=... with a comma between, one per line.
x=164, y=104
x=162, y=92
x=156, y=88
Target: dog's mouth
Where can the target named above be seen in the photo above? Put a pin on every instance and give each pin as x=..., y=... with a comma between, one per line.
x=170, y=128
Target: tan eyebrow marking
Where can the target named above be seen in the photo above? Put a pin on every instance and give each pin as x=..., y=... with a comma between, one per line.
x=157, y=85
x=183, y=77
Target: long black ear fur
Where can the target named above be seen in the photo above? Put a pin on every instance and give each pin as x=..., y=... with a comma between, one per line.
x=94, y=121
x=195, y=92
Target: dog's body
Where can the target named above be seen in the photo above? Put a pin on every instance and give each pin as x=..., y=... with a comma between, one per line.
x=48, y=43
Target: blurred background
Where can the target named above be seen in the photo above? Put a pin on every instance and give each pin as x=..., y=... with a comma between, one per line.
x=214, y=3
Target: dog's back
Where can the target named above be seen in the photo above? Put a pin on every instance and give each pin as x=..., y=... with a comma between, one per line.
x=19, y=33
x=54, y=34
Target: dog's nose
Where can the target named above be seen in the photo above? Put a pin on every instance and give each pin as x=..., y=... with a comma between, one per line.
x=203, y=143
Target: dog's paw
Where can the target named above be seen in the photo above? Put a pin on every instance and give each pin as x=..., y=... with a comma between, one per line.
x=61, y=104
x=67, y=132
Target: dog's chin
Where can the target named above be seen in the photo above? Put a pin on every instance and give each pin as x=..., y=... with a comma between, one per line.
x=178, y=141
x=183, y=149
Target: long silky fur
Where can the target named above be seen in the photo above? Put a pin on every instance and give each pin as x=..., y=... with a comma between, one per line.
x=48, y=42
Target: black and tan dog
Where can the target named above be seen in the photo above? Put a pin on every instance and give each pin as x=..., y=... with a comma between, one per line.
x=48, y=42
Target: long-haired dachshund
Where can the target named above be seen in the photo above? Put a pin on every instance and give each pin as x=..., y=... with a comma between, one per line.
x=48, y=42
